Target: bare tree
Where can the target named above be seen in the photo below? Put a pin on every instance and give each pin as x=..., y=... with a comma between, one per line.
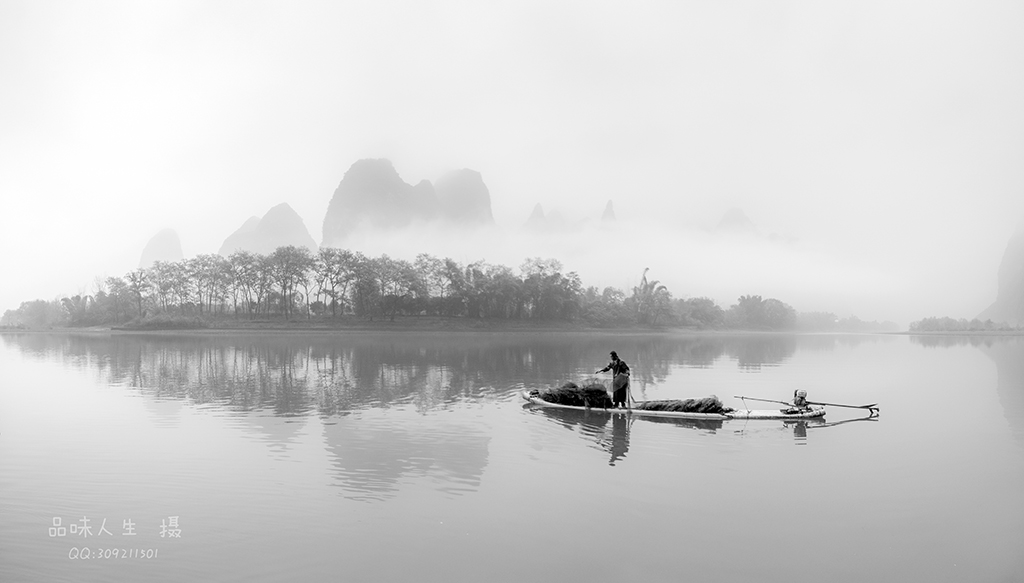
x=138, y=285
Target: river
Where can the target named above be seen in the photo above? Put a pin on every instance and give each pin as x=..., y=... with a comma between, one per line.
x=411, y=457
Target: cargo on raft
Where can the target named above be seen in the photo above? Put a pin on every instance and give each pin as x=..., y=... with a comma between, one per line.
x=594, y=397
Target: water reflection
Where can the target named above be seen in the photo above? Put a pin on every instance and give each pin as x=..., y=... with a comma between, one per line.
x=798, y=427
x=610, y=432
x=950, y=341
x=378, y=394
x=291, y=374
x=801, y=426
x=371, y=459
x=799, y=431
x=764, y=351
x=1007, y=352
x=1009, y=359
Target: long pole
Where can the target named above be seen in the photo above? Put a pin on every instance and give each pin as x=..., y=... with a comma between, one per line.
x=871, y=407
x=629, y=393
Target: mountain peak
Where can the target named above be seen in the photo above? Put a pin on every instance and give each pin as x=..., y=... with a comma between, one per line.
x=164, y=246
x=735, y=221
x=281, y=226
x=609, y=213
x=1009, y=304
x=464, y=197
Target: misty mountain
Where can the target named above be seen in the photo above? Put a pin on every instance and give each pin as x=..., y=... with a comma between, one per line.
x=372, y=194
x=536, y=221
x=463, y=198
x=1009, y=304
x=736, y=221
x=609, y=213
x=164, y=246
x=279, y=227
x=555, y=222
x=550, y=222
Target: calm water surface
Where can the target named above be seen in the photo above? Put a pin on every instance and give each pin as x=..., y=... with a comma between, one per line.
x=395, y=457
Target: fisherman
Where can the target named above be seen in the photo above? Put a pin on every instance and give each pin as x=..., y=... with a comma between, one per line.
x=620, y=380
x=800, y=404
x=800, y=399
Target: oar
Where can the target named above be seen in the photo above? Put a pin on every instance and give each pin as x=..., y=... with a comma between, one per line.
x=871, y=407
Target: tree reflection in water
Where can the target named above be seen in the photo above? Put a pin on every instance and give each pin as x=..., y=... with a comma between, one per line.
x=371, y=458
x=291, y=374
x=294, y=374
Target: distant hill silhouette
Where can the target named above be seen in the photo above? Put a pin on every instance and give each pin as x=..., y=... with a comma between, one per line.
x=1009, y=304
x=536, y=221
x=550, y=222
x=553, y=221
x=736, y=221
x=464, y=198
x=164, y=246
x=609, y=213
x=373, y=194
x=281, y=226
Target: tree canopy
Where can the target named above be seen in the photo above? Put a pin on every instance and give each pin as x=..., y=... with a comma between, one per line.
x=293, y=283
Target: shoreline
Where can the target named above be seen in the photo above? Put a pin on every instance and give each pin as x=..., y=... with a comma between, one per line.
x=438, y=325
x=410, y=326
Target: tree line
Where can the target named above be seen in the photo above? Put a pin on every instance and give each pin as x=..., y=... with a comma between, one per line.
x=947, y=324
x=294, y=283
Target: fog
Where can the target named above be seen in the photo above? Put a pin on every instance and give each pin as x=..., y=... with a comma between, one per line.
x=876, y=147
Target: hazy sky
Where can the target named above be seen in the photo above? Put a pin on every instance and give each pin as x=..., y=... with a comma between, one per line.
x=881, y=141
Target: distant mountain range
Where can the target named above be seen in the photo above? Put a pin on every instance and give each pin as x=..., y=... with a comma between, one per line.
x=372, y=195
x=540, y=221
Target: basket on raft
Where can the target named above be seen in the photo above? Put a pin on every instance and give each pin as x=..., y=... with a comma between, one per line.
x=595, y=395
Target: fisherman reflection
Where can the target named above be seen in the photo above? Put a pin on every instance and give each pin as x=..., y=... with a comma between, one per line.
x=799, y=432
x=801, y=426
x=620, y=439
x=609, y=435
x=615, y=439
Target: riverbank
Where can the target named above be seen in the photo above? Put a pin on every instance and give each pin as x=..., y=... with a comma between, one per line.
x=408, y=325
x=418, y=325
x=428, y=325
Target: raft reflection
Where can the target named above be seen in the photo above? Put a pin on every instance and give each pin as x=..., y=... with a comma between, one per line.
x=608, y=431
